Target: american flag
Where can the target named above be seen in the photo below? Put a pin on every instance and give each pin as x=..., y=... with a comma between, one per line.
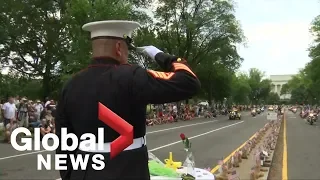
x=257, y=156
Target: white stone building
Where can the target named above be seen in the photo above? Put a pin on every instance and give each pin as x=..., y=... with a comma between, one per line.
x=277, y=82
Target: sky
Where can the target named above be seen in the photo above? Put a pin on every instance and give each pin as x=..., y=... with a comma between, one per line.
x=277, y=33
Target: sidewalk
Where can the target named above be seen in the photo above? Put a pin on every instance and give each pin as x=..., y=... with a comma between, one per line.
x=303, y=149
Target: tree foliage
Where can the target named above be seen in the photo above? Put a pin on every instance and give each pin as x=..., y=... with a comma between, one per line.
x=250, y=87
x=273, y=98
x=43, y=43
x=11, y=85
x=305, y=86
x=285, y=89
x=43, y=39
x=241, y=88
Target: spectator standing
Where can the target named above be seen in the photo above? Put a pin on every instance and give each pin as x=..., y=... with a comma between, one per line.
x=38, y=109
x=23, y=116
x=8, y=111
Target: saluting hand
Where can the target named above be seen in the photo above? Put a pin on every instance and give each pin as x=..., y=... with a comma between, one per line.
x=150, y=51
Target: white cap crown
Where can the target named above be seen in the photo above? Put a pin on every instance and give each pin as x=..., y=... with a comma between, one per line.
x=111, y=28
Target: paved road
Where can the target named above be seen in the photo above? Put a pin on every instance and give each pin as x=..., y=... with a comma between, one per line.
x=303, y=146
x=211, y=140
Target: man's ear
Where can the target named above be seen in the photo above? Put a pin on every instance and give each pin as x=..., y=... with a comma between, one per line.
x=118, y=48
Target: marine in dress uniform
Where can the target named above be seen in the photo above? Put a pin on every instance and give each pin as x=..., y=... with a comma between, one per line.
x=126, y=90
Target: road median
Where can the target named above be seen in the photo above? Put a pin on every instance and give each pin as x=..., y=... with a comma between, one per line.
x=252, y=160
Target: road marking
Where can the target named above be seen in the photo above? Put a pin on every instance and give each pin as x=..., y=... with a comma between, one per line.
x=178, y=127
x=228, y=157
x=285, y=152
x=199, y=135
x=37, y=152
x=24, y=154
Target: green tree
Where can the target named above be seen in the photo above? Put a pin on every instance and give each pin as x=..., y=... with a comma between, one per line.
x=44, y=40
x=216, y=80
x=196, y=29
x=13, y=84
x=273, y=98
x=309, y=76
x=299, y=86
x=204, y=32
x=265, y=88
x=34, y=38
x=285, y=89
x=260, y=87
x=241, y=88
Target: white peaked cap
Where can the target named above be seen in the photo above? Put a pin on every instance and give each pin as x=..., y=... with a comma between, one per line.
x=112, y=28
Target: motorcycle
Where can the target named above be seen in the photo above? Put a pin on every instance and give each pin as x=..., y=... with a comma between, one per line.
x=294, y=110
x=312, y=118
x=214, y=113
x=207, y=114
x=315, y=117
x=258, y=111
x=224, y=112
x=253, y=113
x=304, y=114
x=234, y=115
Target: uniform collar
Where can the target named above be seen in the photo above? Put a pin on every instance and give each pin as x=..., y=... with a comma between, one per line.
x=104, y=61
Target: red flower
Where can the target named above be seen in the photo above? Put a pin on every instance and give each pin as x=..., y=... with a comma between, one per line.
x=182, y=136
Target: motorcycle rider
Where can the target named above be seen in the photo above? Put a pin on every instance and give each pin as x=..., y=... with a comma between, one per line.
x=253, y=111
x=235, y=110
x=279, y=109
x=214, y=112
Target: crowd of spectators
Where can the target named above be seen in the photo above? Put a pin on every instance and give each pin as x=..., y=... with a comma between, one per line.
x=23, y=112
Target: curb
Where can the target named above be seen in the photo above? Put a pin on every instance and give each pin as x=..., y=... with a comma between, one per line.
x=229, y=156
